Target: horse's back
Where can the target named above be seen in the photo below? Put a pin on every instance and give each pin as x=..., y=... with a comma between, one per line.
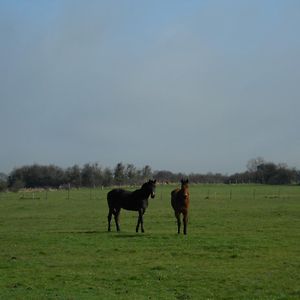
x=114, y=196
x=119, y=198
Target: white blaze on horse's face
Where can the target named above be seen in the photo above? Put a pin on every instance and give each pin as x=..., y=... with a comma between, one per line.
x=152, y=194
x=153, y=188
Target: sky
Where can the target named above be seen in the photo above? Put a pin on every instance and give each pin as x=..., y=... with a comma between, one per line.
x=186, y=86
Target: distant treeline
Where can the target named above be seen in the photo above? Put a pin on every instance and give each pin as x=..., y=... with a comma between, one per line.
x=93, y=175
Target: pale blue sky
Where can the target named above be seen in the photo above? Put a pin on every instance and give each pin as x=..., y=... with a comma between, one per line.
x=188, y=86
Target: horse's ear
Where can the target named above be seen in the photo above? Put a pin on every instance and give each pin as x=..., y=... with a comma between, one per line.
x=154, y=181
x=187, y=180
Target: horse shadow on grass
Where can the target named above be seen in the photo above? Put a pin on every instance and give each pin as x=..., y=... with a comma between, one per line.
x=117, y=235
x=128, y=235
x=80, y=232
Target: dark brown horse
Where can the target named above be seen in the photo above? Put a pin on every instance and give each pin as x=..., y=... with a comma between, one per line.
x=136, y=201
x=180, y=200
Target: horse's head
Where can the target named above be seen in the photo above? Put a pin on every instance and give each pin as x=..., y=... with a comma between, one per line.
x=150, y=187
x=184, y=183
x=185, y=188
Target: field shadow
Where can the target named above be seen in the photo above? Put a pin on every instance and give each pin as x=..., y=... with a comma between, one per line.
x=128, y=235
x=117, y=235
x=80, y=232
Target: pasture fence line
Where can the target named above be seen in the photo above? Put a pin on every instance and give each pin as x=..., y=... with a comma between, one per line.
x=247, y=192
x=49, y=195
x=201, y=192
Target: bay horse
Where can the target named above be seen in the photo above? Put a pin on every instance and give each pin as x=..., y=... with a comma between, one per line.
x=180, y=201
x=135, y=201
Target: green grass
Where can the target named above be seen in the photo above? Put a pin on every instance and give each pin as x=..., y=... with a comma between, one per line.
x=243, y=242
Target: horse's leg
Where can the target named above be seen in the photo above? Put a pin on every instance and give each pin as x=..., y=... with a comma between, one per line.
x=117, y=217
x=109, y=218
x=138, y=222
x=142, y=220
x=185, y=221
x=177, y=215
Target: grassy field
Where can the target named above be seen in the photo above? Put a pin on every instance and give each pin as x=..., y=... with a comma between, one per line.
x=243, y=242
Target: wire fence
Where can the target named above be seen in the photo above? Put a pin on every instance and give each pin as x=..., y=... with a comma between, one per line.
x=45, y=195
x=201, y=192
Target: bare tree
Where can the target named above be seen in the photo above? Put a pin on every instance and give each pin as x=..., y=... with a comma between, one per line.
x=253, y=163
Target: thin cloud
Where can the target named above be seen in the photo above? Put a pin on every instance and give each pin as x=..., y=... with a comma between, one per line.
x=181, y=86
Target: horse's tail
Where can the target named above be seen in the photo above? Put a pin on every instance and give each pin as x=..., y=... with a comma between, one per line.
x=110, y=197
x=113, y=197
